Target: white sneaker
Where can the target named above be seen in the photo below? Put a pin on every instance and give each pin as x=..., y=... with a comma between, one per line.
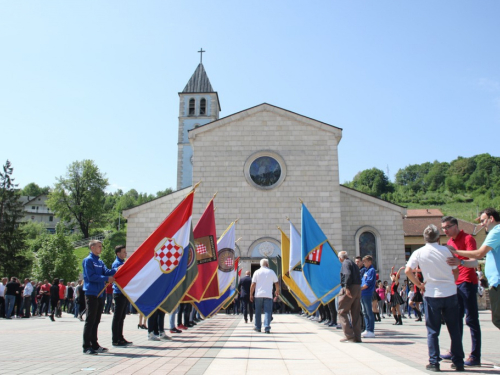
x=164, y=337
x=368, y=335
x=364, y=333
x=153, y=337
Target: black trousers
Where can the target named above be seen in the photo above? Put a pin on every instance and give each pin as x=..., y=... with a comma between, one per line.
x=94, y=311
x=119, y=317
x=27, y=306
x=246, y=307
x=333, y=312
x=184, y=309
x=2, y=307
x=44, y=304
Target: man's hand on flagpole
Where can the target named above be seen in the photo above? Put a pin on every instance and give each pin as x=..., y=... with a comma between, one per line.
x=111, y=279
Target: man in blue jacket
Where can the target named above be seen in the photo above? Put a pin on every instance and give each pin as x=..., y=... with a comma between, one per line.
x=121, y=301
x=367, y=287
x=95, y=276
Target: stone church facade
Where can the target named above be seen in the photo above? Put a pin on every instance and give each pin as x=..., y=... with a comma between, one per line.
x=260, y=162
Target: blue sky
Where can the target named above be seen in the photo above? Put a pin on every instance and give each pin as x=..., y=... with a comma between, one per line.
x=407, y=81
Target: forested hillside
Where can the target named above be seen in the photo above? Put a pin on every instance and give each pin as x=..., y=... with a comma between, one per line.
x=459, y=188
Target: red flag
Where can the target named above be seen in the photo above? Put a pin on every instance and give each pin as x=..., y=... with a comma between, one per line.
x=205, y=238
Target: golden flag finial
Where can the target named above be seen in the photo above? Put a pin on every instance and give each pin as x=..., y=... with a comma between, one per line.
x=236, y=220
x=300, y=200
x=195, y=186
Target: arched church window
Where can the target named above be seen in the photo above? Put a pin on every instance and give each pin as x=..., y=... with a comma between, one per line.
x=203, y=106
x=368, y=246
x=191, y=107
x=265, y=170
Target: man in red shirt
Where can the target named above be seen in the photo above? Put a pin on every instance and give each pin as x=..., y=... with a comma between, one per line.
x=45, y=300
x=62, y=297
x=466, y=286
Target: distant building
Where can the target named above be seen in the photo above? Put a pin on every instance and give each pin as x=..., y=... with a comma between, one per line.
x=417, y=220
x=36, y=210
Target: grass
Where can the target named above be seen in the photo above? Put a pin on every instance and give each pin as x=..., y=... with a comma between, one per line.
x=81, y=253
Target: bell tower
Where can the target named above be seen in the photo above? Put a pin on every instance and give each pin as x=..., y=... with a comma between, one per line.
x=198, y=105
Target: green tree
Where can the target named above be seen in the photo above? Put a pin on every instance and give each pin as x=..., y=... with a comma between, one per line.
x=15, y=259
x=162, y=193
x=372, y=181
x=33, y=190
x=55, y=256
x=79, y=196
x=108, y=255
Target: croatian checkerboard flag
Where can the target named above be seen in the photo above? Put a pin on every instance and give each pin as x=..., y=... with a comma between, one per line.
x=159, y=265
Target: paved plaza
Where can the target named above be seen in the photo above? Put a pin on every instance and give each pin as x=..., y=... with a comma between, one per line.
x=226, y=345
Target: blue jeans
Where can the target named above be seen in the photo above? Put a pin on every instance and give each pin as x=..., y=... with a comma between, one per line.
x=9, y=305
x=172, y=318
x=448, y=307
x=268, y=310
x=366, y=307
x=467, y=302
x=495, y=305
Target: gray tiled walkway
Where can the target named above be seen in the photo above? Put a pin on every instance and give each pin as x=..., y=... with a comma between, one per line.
x=226, y=345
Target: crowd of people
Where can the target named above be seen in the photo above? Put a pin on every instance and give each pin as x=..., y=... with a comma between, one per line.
x=442, y=286
x=27, y=298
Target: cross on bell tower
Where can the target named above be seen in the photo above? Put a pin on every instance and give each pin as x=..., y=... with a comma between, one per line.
x=201, y=54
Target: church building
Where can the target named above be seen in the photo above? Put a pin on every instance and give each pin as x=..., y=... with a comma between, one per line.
x=261, y=161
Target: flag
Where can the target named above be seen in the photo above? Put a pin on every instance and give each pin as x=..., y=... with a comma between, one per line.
x=319, y=261
x=206, y=257
x=158, y=267
x=209, y=307
x=175, y=297
x=294, y=289
x=226, y=275
x=226, y=271
x=303, y=290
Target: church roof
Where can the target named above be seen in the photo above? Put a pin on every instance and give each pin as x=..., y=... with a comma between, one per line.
x=265, y=107
x=199, y=81
x=424, y=212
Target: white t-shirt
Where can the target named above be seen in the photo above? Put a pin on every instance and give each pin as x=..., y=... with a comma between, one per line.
x=410, y=295
x=264, y=278
x=438, y=275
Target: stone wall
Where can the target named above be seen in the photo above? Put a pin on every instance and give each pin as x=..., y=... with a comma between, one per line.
x=144, y=219
x=309, y=150
x=362, y=212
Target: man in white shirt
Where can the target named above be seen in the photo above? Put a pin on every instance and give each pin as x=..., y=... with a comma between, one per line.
x=440, y=296
x=28, y=289
x=262, y=284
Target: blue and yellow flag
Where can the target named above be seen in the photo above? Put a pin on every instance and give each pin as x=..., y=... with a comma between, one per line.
x=293, y=288
x=320, y=263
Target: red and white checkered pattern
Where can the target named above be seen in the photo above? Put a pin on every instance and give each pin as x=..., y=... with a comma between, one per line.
x=201, y=249
x=229, y=262
x=169, y=255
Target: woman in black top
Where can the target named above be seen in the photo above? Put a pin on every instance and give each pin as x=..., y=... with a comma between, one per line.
x=54, y=297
